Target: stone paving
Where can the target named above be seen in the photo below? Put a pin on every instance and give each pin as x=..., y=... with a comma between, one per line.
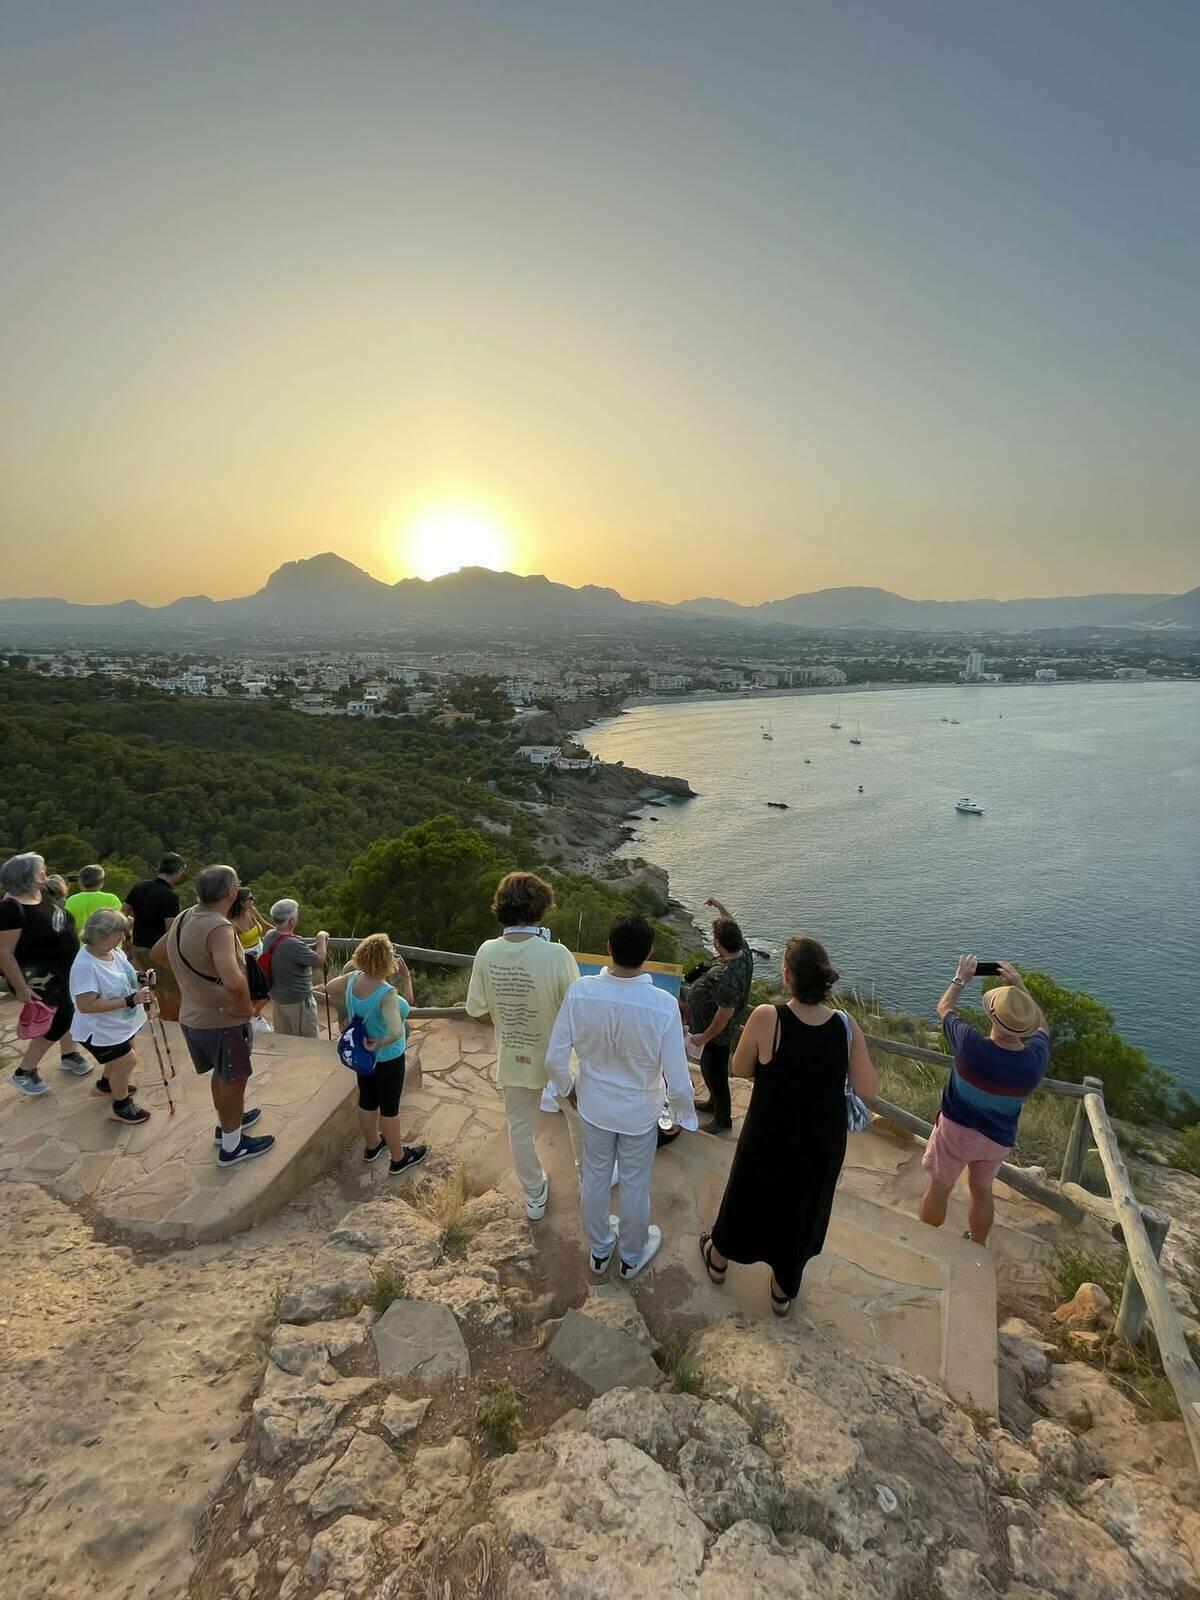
x=896, y=1290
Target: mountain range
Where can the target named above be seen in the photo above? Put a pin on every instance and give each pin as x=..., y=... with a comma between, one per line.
x=327, y=592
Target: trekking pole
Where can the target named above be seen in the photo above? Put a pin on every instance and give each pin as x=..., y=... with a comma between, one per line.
x=152, y=980
x=162, y=1071
x=325, y=991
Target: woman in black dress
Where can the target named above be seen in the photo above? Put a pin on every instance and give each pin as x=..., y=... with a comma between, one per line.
x=793, y=1141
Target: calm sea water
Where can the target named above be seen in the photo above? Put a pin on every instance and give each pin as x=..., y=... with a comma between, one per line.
x=1086, y=863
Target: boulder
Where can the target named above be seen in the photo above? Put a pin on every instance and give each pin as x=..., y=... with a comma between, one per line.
x=734, y=1482
x=1016, y=1465
x=1023, y=1345
x=1028, y=1283
x=1162, y=1537
x=368, y=1478
x=442, y=1469
x=472, y=1292
x=391, y=1230
x=1056, y=1449
x=842, y=1430
x=1112, y=1436
x=601, y=1356
x=341, y=1556
x=748, y=1563
x=960, y=1575
x=292, y=1414
x=1089, y=1307
x=420, y=1338
x=305, y=1349
x=399, y=1418
x=604, y=1522
x=337, y=1285
x=1085, y=1342
x=658, y=1423
x=1060, y=1551
x=610, y=1303
x=307, y=1479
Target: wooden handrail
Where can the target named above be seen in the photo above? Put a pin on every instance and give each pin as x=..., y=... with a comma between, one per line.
x=935, y=1058
x=1181, y=1371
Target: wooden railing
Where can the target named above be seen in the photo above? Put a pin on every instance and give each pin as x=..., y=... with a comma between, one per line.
x=1142, y=1229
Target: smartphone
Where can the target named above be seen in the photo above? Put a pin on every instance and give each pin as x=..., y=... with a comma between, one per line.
x=987, y=969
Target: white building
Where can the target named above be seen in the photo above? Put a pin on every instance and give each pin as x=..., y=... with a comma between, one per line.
x=668, y=682
x=360, y=708
x=1131, y=674
x=541, y=755
x=974, y=667
x=193, y=682
x=1046, y=675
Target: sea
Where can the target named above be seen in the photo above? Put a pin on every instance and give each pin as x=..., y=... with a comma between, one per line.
x=1085, y=862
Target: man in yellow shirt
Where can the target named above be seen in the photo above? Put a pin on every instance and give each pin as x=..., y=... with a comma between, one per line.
x=519, y=980
x=90, y=897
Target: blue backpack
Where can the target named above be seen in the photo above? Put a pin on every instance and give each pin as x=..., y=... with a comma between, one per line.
x=352, y=1048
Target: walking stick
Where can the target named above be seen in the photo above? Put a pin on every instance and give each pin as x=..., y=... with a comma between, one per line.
x=162, y=1071
x=325, y=990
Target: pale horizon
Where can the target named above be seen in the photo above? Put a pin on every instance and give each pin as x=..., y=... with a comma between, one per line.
x=682, y=302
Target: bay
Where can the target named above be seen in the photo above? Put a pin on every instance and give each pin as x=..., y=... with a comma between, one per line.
x=1085, y=863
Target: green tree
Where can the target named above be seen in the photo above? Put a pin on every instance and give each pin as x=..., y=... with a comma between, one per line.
x=432, y=886
x=63, y=852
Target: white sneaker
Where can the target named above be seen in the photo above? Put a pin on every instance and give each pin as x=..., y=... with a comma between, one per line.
x=599, y=1264
x=535, y=1209
x=549, y=1104
x=653, y=1243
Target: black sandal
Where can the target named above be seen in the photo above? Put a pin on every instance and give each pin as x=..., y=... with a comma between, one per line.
x=715, y=1274
x=781, y=1304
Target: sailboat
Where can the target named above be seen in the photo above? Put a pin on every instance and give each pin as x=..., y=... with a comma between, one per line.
x=854, y=738
x=767, y=732
x=837, y=722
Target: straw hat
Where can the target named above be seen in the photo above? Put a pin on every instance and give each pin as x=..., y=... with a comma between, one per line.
x=1013, y=1009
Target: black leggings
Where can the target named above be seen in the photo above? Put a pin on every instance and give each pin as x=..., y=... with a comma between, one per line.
x=380, y=1090
x=714, y=1069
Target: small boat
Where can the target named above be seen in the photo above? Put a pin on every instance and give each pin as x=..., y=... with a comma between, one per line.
x=945, y=719
x=778, y=805
x=836, y=723
x=968, y=808
x=954, y=722
x=759, y=951
x=767, y=732
x=860, y=788
x=854, y=738
x=807, y=762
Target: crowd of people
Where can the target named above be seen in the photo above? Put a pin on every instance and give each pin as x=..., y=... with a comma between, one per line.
x=610, y=1050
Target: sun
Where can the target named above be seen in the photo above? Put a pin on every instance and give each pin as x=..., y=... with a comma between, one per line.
x=443, y=538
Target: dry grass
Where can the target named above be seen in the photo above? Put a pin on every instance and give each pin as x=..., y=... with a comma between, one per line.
x=386, y=1286
x=676, y=1360
x=442, y=1200
x=498, y=1414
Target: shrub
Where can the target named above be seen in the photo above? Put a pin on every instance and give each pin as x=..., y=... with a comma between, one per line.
x=498, y=1414
x=1072, y=1266
x=675, y=1359
x=1186, y=1154
x=386, y=1286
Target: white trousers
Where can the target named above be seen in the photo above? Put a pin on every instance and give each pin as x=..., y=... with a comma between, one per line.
x=635, y=1154
x=522, y=1107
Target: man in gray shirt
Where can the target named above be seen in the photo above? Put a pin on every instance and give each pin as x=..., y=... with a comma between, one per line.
x=291, y=961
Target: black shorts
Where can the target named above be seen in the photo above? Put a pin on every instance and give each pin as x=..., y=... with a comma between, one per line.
x=380, y=1090
x=52, y=989
x=104, y=1053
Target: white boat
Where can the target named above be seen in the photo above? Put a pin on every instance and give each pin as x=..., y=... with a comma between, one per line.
x=854, y=738
x=968, y=807
x=954, y=722
x=767, y=732
x=837, y=721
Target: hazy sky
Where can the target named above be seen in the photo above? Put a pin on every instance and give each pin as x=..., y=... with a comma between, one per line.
x=693, y=299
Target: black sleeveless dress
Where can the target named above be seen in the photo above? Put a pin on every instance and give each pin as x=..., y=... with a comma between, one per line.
x=790, y=1152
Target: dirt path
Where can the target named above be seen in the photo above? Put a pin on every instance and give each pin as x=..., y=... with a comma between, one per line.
x=126, y=1378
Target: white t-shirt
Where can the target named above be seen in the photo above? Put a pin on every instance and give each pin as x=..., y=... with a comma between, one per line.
x=521, y=982
x=111, y=980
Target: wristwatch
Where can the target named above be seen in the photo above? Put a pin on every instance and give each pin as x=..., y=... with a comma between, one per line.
x=957, y=982
x=130, y=1001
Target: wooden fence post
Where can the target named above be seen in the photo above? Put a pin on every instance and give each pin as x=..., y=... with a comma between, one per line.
x=1131, y=1318
x=1080, y=1139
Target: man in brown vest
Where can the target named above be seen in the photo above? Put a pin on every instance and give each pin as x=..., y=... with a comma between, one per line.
x=215, y=1008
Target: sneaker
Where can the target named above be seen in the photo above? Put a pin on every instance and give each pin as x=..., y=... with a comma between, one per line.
x=599, y=1264
x=716, y=1127
x=535, y=1209
x=413, y=1154
x=249, y=1118
x=376, y=1151
x=246, y=1150
x=29, y=1083
x=128, y=1111
x=101, y=1087
x=630, y=1269
x=78, y=1066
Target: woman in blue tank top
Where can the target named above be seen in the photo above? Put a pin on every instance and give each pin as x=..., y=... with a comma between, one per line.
x=368, y=994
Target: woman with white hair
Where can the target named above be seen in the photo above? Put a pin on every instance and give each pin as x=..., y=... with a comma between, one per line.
x=37, y=945
x=110, y=1007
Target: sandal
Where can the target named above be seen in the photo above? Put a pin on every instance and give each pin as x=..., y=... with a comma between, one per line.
x=715, y=1274
x=780, y=1303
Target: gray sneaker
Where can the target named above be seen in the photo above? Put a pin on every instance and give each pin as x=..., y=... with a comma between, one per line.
x=29, y=1083
x=78, y=1066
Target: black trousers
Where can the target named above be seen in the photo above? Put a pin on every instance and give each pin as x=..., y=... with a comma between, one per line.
x=714, y=1069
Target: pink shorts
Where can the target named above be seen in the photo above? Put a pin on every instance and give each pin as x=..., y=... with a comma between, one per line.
x=951, y=1147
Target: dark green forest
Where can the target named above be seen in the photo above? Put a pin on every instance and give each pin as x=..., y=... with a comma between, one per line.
x=322, y=808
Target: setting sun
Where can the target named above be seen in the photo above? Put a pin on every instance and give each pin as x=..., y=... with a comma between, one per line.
x=444, y=538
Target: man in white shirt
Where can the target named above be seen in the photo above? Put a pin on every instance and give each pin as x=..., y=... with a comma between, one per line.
x=628, y=1037
x=519, y=980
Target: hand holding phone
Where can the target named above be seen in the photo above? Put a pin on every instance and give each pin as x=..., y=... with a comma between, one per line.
x=987, y=969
